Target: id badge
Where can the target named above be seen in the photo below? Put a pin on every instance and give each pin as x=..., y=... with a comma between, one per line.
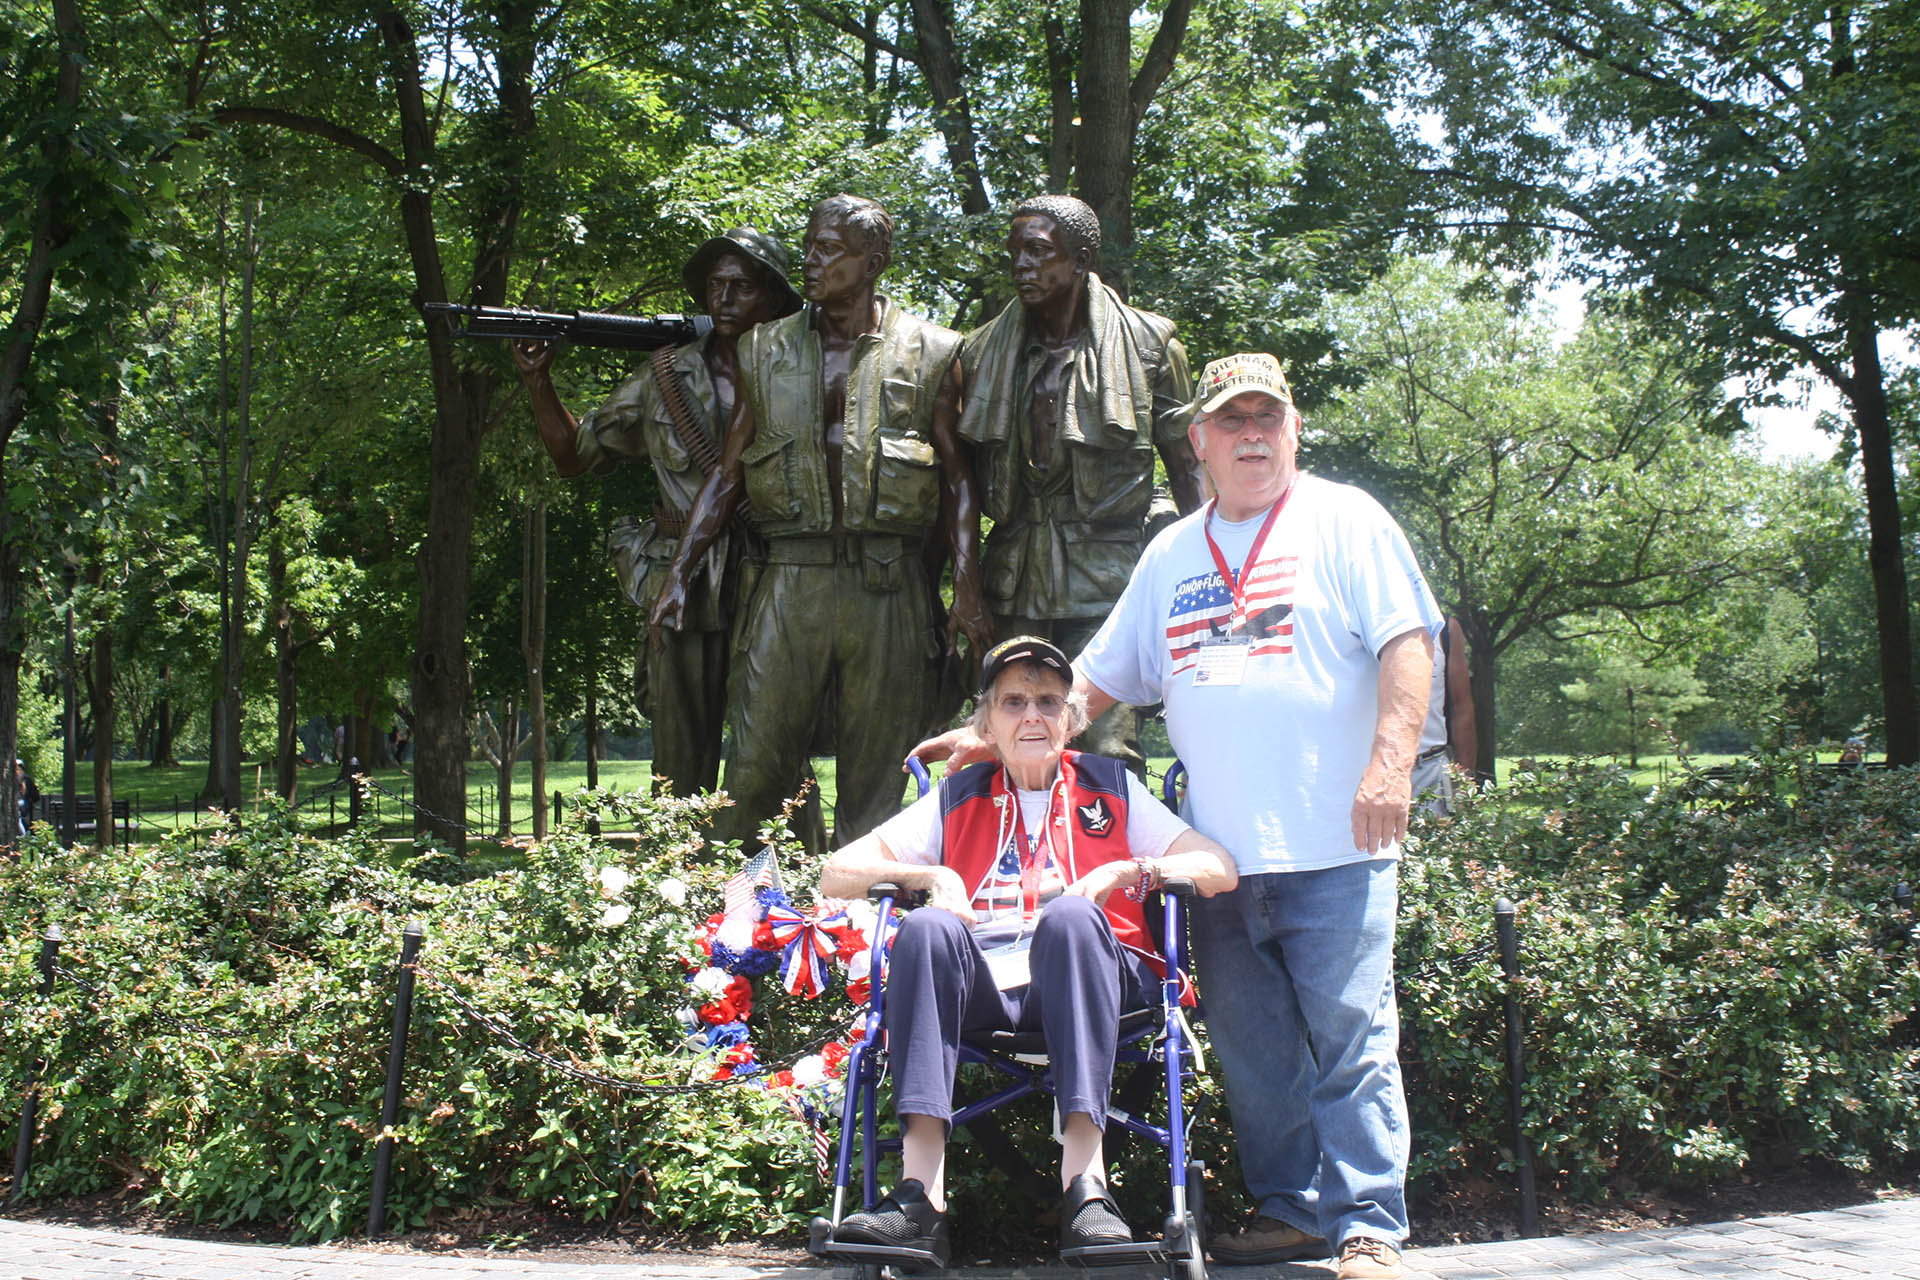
x=1222, y=664
x=1008, y=964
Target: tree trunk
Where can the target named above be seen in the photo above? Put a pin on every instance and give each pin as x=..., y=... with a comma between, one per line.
x=286, y=655
x=441, y=679
x=163, y=728
x=1480, y=667
x=1866, y=391
x=533, y=646
x=939, y=58
x=509, y=752
x=101, y=661
x=49, y=234
x=1104, y=146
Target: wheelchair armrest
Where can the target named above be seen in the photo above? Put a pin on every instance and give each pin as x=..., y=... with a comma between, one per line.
x=888, y=889
x=1178, y=886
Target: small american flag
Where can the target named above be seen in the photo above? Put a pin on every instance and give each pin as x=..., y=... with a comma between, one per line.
x=761, y=870
x=805, y=1109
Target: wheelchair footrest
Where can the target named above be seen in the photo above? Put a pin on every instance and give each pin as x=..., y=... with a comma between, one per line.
x=1151, y=1252
x=909, y=1259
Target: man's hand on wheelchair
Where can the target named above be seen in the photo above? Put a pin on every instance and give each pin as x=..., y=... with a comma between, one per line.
x=947, y=889
x=958, y=747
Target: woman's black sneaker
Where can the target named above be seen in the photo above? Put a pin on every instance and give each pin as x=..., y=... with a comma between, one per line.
x=1088, y=1216
x=905, y=1219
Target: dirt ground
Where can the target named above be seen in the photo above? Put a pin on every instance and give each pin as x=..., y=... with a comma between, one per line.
x=1465, y=1215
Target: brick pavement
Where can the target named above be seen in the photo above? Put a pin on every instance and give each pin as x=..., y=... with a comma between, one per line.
x=1867, y=1240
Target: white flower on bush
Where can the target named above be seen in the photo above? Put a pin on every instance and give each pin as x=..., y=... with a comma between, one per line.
x=711, y=982
x=614, y=881
x=811, y=1069
x=673, y=889
x=615, y=915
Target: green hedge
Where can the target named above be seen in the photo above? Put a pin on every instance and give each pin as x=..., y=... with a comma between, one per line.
x=1711, y=976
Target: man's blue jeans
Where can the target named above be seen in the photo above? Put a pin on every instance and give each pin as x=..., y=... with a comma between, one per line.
x=1296, y=977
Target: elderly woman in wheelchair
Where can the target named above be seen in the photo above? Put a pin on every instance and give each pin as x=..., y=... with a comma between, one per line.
x=1035, y=869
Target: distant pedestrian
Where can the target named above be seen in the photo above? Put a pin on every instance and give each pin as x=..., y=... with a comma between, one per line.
x=1450, y=735
x=29, y=797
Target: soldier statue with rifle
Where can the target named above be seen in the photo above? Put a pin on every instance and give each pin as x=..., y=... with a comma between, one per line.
x=672, y=414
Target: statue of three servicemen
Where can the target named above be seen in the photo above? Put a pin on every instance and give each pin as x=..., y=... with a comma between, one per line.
x=818, y=465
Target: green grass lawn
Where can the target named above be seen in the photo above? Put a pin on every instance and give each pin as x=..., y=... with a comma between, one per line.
x=162, y=798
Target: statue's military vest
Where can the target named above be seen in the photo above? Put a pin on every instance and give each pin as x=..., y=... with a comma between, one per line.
x=890, y=476
x=1064, y=544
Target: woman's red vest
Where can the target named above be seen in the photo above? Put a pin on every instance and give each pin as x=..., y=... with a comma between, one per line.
x=1091, y=830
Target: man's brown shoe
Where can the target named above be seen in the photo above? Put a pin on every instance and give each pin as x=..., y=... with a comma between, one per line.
x=1266, y=1240
x=1368, y=1258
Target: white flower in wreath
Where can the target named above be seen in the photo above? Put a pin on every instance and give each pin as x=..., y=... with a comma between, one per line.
x=736, y=932
x=811, y=1069
x=859, y=965
x=861, y=915
x=711, y=982
x=615, y=915
x=673, y=889
x=614, y=881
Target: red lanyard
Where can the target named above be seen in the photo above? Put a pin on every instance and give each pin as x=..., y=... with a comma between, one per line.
x=1028, y=847
x=1238, y=586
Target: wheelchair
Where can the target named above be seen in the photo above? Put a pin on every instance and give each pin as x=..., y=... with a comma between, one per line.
x=1157, y=1035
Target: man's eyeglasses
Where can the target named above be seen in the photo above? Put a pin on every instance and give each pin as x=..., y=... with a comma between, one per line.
x=1265, y=419
x=1049, y=705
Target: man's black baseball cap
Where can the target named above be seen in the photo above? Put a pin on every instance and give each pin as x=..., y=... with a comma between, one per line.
x=1023, y=649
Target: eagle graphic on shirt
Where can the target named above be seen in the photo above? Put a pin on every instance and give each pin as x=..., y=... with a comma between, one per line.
x=1203, y=613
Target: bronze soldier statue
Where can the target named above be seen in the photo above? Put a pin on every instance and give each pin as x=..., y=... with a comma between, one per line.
x=842, y=441
x=1068, y=393
x=672, y=414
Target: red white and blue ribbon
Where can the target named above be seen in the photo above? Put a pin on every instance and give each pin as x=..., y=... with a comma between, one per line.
x=809, y=946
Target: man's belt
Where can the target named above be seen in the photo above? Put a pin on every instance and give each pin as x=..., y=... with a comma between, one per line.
x=832, y=548
x=1430, y=753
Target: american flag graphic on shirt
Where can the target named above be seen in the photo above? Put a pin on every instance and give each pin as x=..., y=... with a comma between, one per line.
x=1203, y=613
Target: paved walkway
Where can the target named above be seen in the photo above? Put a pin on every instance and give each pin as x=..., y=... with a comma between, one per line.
x=1870, y=1240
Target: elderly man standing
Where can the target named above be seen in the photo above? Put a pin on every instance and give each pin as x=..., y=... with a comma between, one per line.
x=672, y=413
x=1289, y=631
x=842, y=442
x=1069, y=391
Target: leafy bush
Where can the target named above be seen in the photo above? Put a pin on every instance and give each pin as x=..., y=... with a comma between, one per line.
x=1710, y=975
x=231, y=1061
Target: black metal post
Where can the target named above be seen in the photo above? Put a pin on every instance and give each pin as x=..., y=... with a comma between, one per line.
x=1503, y=914
x=30, y=1105
x=357, y=797
x=1903, y=899
x=396, y=1062
x=556, y=808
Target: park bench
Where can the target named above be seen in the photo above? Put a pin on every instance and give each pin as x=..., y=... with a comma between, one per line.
x=86, y=816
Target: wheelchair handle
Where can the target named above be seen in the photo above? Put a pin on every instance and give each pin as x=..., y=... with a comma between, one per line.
x=921, y=778
x=1170, y=785
x=1178, y=886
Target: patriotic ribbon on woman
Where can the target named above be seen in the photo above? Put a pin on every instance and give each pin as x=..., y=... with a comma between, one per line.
x=809, y=946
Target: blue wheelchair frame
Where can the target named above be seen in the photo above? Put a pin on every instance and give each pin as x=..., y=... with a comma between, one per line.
x=1157, y=1033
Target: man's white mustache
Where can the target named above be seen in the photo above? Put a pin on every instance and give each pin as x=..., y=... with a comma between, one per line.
x=1251, y=450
